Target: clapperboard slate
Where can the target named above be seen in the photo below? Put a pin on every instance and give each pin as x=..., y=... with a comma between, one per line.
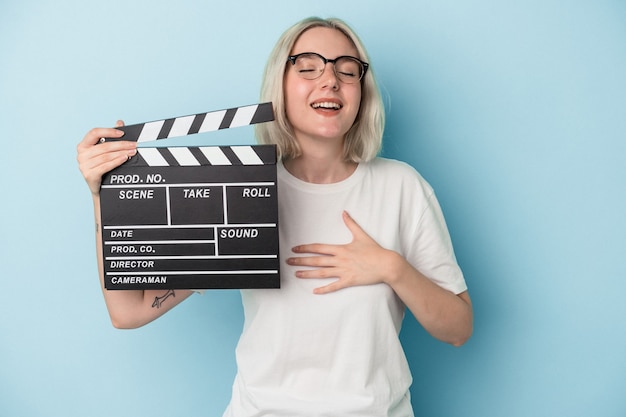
x=192, y=217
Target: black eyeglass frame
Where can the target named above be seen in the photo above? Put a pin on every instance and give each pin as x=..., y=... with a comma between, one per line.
x=365, y=65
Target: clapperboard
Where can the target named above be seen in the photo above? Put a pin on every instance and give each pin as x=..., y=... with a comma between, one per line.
x=192, y=217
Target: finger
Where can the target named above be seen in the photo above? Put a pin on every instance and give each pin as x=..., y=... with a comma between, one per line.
x=314, y=261
x=94, y=135
x=352, y=225
x=318, y=248
x=91, y=156
x=94, y=168
x=318, y=273
x=332, y=287
x=96, y=160
x=105, y=162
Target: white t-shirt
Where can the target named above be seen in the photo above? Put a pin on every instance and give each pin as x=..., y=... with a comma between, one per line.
x=339, y=354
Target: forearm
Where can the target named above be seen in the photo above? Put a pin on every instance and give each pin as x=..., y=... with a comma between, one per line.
x=129, y=309
x=446, y=316
x=132, y=308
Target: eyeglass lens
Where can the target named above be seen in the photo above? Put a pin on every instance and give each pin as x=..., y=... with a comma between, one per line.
x=311, y=66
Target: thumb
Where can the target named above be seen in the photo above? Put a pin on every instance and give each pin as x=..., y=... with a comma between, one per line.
x=352, y=225
x=119, y=123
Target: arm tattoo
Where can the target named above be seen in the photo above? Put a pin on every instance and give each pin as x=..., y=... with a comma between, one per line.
x=97, y=227
x=158, y=301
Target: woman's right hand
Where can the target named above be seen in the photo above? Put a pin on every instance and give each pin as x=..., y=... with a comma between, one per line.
x=96, y=159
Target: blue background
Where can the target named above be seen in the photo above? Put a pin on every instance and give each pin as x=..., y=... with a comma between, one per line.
x=514, y=111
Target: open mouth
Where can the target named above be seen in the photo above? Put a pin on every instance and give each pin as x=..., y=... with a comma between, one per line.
x=327, y=105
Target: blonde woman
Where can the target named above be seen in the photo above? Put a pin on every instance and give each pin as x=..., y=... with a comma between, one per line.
x=362, y=238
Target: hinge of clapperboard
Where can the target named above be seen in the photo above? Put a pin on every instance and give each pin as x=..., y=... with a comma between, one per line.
x=196, y=123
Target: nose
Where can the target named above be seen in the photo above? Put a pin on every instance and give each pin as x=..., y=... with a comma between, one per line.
x=329, y=78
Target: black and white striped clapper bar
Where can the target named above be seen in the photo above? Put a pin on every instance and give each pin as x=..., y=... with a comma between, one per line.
x=192, y=217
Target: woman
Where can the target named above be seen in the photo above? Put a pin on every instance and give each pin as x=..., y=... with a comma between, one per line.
x=361, y=239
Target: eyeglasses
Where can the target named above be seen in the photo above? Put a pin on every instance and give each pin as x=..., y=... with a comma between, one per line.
x=311, y=66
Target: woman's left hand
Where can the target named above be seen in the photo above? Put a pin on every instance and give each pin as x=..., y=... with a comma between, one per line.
x=360, y=262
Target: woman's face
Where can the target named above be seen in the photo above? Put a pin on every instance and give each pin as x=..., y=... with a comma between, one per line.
x=324, y=109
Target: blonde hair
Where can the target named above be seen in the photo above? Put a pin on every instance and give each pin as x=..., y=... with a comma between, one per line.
x=363, y=140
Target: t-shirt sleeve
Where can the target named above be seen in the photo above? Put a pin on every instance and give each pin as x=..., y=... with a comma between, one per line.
x=429, y=247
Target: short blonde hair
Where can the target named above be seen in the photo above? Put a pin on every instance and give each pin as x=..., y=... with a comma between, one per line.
x=363, y=140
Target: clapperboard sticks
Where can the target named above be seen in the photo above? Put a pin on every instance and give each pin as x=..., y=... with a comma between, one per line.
x=197, y=123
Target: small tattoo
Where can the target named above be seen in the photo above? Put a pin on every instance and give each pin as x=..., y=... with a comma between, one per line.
x=97, y=227
x=158, y=301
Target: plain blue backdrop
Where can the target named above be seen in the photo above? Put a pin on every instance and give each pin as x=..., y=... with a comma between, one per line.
x=515, y=111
